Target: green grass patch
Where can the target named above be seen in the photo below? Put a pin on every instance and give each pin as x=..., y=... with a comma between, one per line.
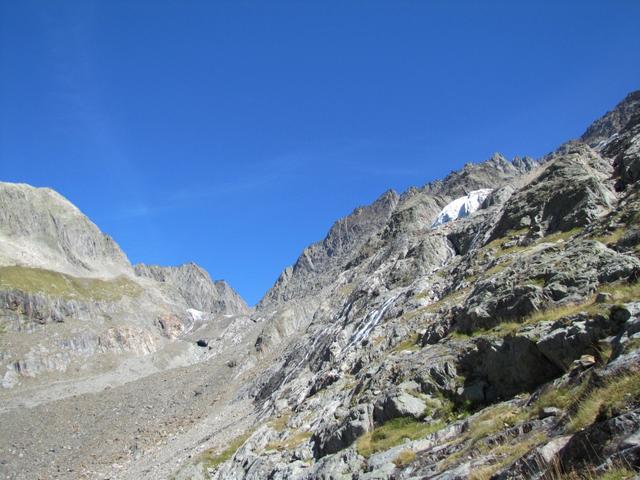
x=496, y=269
x=289, y=443
x=615, y=396
x=560, y=397
x=449, y=299
x=537, y=282
x=211, y=459
x=631, y=345
x=510, y=327
x=471, y=278
x=557, y=236
x=393, y=433
x=408, y=344
x=56, y=284
x=491, y=421
x=280, y=423
x=618, y=473
x=622, y=292
x=506, y=453
x=615, y=472
x=611, y=237
x=556, y=313
x=494, y=419
x=498, y=245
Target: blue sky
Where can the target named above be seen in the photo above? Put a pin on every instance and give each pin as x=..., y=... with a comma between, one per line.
x=234, y=133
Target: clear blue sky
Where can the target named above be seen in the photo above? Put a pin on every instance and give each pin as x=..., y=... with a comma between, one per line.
x=234, y=133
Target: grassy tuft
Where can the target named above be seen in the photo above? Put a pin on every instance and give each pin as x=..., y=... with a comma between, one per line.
x=506, y=454
x=449, y=299
x=559, y=397
x=616, y=395
x=557, y=236
x=404, y=458
x=622, y=292
x=410, y=343
x=290, y=443
x=280, y=423
x=393, y=433
x=496, y=269
x=556, y=313
x=494, y=419
x=211, y=459
x=611, y=237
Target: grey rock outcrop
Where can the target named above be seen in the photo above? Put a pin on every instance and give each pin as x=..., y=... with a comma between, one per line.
x=570, y=191
x=40, y=228
x=196, y=288
x=612, y=122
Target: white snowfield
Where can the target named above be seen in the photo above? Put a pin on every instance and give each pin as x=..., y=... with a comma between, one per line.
x=462, y=207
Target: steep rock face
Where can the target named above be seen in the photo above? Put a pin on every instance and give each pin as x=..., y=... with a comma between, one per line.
x=346, y=235
x=196, y=287
x=625, y=151
x=40, y=228
x=612, y=122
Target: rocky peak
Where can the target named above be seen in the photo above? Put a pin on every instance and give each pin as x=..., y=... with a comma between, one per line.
x=40, y=228
x=344, y=238
x=612, y=122
x=492, y=173
x=196, y=287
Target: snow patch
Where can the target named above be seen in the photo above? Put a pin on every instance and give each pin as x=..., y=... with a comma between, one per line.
x=462, y=207
x=195, y=314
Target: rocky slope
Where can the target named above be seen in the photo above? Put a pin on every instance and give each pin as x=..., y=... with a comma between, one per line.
x=502, y=343
x=498, y=344
x=73, y=309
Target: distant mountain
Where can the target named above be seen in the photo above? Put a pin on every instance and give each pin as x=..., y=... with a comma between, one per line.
x=197, y=288
x=40, y=228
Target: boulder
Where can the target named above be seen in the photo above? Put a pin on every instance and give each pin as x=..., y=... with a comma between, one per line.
x=400, y=404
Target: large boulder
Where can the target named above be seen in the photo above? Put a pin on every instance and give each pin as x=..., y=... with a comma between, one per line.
x=335, y=437
x=398, y=404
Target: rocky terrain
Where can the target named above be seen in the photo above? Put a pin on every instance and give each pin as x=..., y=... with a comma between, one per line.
x=483, y=326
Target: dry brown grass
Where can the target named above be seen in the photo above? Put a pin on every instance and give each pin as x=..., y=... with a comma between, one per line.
x=404, y=458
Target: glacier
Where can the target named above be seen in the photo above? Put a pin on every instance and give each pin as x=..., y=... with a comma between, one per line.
x=461, y=207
